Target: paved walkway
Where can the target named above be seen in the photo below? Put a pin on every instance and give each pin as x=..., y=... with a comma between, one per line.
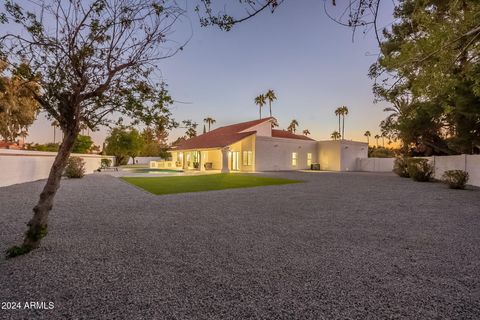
x=341, y=245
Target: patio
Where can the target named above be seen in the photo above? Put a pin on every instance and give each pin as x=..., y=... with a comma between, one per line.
x=341, y=245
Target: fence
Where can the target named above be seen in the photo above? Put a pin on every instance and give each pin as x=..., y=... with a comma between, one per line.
x=466, y=162
x=18, y=166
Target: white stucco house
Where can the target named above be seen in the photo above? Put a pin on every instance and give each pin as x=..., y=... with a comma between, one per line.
x=255, y=146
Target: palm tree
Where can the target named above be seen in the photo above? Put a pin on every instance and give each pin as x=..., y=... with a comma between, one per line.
x=209, y=121
x=338, y=112
x=383, y=140
x=376, y=138
x=204, y=129
x=55, y=125
x=368, y=135
x=344, y=113
x=274, y=123
x=335, y=135
x=270, y=95
x=293, y=126
x=306, y=132
x=260, y=102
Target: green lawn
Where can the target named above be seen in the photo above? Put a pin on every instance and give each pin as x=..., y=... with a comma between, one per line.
x=167, y=185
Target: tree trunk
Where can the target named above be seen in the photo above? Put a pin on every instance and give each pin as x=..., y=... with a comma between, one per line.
x=270, y=105
x=339, y=129
x=343, y=127
x=37, y=226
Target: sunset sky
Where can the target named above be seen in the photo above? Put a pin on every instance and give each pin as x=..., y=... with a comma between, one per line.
x=309, y=60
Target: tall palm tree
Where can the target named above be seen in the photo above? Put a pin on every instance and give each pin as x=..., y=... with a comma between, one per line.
x=293, y=126
x=260, y=102
x=55, y=125
x=209, y=121
x=383, y=140
x=335, y=135
x=306, y=132
x=368, y=135
x=338, y=112
x=376, y=138
x=270, y=95
x=344, y=113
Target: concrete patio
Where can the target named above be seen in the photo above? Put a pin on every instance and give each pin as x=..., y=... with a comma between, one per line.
x=340, y=245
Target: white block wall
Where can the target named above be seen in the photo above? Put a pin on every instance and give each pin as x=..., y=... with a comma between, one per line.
x=468, y=163
x=18, y=166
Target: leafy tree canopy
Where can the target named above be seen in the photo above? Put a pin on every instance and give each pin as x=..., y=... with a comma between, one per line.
x=429, y=71
x=123, y=143
x=18, y=108
x=83, y=144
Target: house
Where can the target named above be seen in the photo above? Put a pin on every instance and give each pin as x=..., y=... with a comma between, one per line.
x=255, y=146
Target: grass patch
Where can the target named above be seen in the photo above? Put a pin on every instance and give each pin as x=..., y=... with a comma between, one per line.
x=169, y=185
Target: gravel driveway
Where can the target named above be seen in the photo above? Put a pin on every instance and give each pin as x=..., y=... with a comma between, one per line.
x=339, y=246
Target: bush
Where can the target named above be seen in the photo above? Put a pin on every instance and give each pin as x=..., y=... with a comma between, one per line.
x=400, y=167
x=105, y=163
x=456, y=179
x=75, y=167
x=419, y=169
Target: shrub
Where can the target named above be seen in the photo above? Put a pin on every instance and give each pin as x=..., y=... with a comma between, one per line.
x=400, y=167
x=419, y=169
x=75, y=167
x=456, y=179
x=105, y=163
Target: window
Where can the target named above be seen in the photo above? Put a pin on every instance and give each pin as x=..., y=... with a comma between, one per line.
x=294, y=159
x=309, y=159
x=247, y=158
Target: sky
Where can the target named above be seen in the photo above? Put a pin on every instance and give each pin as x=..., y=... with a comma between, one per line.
x=309, y=60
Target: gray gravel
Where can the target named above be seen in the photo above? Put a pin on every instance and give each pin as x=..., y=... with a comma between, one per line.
x=341, y=245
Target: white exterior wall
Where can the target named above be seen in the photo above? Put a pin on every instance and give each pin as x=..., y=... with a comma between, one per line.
x=329, y=155
x=350, y=152
x=263, y=129
x=273, y=154
x=19, y=166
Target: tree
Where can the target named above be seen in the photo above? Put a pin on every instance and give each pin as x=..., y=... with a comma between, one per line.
x=270, y=96
x=96, y=60
x=123, y=143
x=306, y=132
x=55, y=126
x=338, y=113
x=82, y=144
x=209, y=121
x=154, y=143
x=18, y=108
x=368, y=135
x=335, y=135
x=260, y=102
x=274, y=123
x=428, y=70
x=293, y=126
x=344, y=113
x=376, y=138
x=191, y=127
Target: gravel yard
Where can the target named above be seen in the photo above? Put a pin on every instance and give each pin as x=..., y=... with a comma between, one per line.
x=340, y=245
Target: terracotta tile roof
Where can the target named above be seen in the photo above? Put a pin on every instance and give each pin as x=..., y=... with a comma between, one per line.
x=220, y=137
x=227, y=135
x=288, y=135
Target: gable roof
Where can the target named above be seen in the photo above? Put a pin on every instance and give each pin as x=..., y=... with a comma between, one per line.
x=221, y=137
x=288, y=135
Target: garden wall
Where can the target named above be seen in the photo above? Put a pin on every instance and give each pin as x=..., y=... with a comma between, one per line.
x=18, y=166
x=468, y=163
x=143, y=160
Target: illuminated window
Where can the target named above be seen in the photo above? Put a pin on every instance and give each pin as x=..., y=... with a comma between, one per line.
x=247, y=158
x=309, y=159
x=294, y=159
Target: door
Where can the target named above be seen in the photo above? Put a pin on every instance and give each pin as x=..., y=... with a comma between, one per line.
x=235, y=160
